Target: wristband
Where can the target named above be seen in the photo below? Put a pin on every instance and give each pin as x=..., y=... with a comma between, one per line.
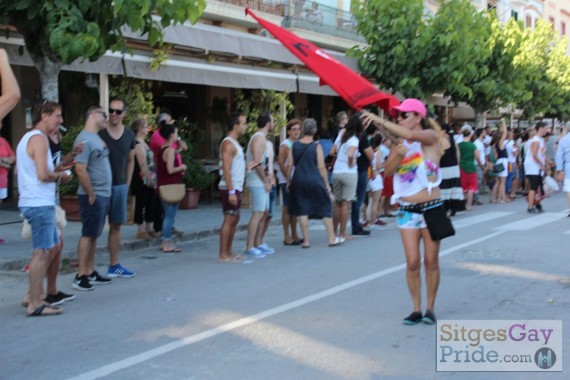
x=231, y=192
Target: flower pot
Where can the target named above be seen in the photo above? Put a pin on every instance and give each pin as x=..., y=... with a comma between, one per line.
x=190, y=200
x=70, y=203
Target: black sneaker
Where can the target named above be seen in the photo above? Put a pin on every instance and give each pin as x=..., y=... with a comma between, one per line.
x=59, y=298
x=361, y=233
x=429, y=317
x=413, y=319
x=96, y=279
x=532, y=210
x=82, y=283
x=539, y=208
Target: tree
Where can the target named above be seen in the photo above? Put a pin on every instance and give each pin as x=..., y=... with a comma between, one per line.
x=396, y=49
x=58, y=32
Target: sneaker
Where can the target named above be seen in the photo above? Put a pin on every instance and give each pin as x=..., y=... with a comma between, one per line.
x=429, y=317
x=380, y=222
x=363, y=223
x=254, y=253
x=59, y=298
x=265, y=249
x=82, y=283
x=375, y=227
x=538, y=206
x=413, y=319
x=96, y=279
x=120, y=271
x=361, y=233
x=532, y=210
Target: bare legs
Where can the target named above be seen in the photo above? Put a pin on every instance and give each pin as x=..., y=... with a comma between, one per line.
x=289, y=223
x=255, y=229
x=304, y=222
x=227, y=233
x=411, y=241
x=340, y=217
x=114, y=243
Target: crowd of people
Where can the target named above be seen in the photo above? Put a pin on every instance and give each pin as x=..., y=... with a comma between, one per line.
x=371, y=168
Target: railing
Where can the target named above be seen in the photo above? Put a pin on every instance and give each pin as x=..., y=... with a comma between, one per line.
x=308, y=15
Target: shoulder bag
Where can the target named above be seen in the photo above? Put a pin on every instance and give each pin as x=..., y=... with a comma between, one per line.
x=172, y=193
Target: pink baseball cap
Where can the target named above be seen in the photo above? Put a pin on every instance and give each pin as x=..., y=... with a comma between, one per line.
x=412, y=105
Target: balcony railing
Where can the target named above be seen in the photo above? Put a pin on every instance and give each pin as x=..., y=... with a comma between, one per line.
x=308, y=15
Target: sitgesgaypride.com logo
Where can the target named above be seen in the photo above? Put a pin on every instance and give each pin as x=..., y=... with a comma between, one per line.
x=500, y=345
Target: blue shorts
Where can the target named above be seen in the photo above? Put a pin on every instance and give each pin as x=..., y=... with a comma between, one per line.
x=44, y=228
x=118, y=205
x=93, y=216
x=260, y=199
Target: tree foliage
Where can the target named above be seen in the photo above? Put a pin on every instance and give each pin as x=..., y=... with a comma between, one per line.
x=58, y=32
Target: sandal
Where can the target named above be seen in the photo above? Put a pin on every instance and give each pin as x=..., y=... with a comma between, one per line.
x=338, y=241
x=45, y=310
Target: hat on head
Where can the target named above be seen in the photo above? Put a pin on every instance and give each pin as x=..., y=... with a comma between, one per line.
x=412, y=105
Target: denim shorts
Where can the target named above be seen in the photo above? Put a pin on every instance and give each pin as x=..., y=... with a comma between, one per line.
x=118, y=204
x=260, y=199
x=93, y=216
x=44, y=228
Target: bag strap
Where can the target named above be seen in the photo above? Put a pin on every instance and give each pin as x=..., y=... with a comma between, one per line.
x=302, y=154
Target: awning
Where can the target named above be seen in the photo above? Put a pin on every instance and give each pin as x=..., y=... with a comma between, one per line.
x=188, y=70
x=223, y=40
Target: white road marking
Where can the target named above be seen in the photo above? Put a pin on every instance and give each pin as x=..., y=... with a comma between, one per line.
x=483, y=218
x=533, y=221
x=164, y=349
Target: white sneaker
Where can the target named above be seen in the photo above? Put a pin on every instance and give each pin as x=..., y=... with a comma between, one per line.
x=265, y=249
x=375, y=227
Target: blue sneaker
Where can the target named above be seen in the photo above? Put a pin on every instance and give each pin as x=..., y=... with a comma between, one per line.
x=265, y=249
x=120, y=271
x=254, y=253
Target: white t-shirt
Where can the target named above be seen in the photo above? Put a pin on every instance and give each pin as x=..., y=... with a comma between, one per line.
x=487, y=141
x=510, y=147
x=458, y=138
x=341, y=163
x=481, y=148
x=531, y=167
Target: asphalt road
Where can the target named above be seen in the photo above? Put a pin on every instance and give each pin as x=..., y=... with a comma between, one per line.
x=318, y=313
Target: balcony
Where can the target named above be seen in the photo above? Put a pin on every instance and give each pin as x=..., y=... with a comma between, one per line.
x=306, y=15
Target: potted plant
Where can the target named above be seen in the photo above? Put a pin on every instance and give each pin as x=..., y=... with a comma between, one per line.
x=196, y=179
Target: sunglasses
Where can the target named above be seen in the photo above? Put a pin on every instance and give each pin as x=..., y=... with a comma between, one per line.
x=102, y=113
x=405, y=115
x=114, y=111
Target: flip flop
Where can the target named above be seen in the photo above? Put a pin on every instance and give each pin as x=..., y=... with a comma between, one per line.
x=338, y=241
x=173, y=250
x=232, y=260
x=306, y=246
x=44, y=311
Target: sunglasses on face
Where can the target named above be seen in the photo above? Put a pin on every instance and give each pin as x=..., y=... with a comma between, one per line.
x=102, y=113
x=114, y=111
x=405, y=115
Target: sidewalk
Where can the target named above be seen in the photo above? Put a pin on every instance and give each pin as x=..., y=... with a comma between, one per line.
x=203, y=222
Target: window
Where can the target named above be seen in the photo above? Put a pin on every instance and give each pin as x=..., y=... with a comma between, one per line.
x=563, y=28
x=515, y=15
x=551, y=19
x=528, y=22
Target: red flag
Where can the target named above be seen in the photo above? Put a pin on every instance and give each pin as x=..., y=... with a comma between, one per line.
x=353, y=88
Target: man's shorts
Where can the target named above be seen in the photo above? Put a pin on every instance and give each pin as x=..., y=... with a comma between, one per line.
x=93, y=216
x=566, y=186
x=534, y=181
x=227, y=207
x=260, y=199
x=44, y=228
x=344, y=186
x=118, y=204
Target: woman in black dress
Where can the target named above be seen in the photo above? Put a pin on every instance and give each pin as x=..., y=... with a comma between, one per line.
x=309, y=188
x=450, y=187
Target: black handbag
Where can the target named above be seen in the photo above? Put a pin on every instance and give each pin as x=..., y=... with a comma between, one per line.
x=438, y=223
x=497, y=168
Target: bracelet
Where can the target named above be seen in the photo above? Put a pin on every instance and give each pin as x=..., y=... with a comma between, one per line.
x=231, y=192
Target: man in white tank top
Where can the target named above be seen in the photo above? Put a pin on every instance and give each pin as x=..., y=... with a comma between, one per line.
x=232, y=173
x=37, y=179
x=259, y=184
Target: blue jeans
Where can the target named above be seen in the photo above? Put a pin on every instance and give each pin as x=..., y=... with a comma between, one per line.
x=169, y=210
x=42, y=222
x=356, y=204
x=510, y=176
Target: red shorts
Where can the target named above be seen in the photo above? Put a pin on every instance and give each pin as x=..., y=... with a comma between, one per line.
x=469, y=181
x=388, y=190
x=227, y=207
